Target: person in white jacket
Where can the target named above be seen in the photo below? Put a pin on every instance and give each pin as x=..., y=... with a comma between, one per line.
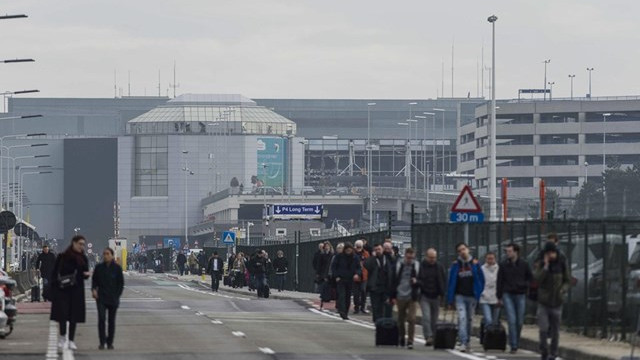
x=489, y=299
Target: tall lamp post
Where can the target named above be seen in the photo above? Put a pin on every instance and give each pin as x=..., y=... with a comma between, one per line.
x=369, y=166
x=433, y=139
x=2, y=138
x=407, y=157
x=551, y=83
x=546, y=62
x=571, y=77
x=20, y=246
x=604, y=160
x=589, y=70
x=443, y=156
x=187, y=172
x=492, y=166
x=415, y=167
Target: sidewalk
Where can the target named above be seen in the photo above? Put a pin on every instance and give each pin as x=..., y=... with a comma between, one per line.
x=572, y=346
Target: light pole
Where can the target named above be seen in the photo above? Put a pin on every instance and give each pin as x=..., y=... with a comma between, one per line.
x=20, y=185
x=492, y=166
x=551, y=83
x=424, y=150
x=75, y=230
x=546, y=62
x=2, y=138
x=187, y=172
x=369, y=166
x=586, y=171
x=13, y=165
x=265, y=222
x=415, y=167
x=433, y=139
x=249, y=225
x=20, y=247
x=604, y=160
x=571, y=79
x=407, y=159
x=434, y=157
x=589, y=70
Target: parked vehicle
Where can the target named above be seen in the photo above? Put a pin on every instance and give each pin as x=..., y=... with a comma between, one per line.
x=8, y=310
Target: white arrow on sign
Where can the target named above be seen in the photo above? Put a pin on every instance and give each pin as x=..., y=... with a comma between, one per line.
x=277, y=209
x=317, y=210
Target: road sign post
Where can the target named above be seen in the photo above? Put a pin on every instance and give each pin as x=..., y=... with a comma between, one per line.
x=299, y=211
x=228, y=237
x=466, y=209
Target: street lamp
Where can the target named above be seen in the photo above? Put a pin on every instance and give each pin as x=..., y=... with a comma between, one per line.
x=604, y=159
x=586, y=172
x=75, y=230
x=571, y=79
x=546, y=62
x=21, y=187
x=551, y=90
x=369, y=166
x=187, y=172
x=492, y=166
x=589, y=70
x=443, y=156
x=15, y=136
x=12, y=61
x=433, y=140
x=13, y=165
x=415, y=172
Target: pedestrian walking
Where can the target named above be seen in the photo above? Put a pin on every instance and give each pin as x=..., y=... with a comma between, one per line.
x=181, y=259
x=107, y=284
x=258, y=268
x=466, y=283
x=45, y=264
x=360, y=287
x=202, y=262
x=215, y=268
x=554, y=280
x=67, y=284
x=192, y=262
x=379, y=283
x=281, y=267
x=432, y=280
x=489, y=297
x=514, y=277
x=316, y=264
x=406, y=293
x=142, y=260
x=345, y=269
x=239, y=268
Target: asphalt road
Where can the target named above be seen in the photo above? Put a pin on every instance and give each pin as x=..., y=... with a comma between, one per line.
x=161, y=318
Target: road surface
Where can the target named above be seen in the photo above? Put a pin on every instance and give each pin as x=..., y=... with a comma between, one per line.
x=161, y=318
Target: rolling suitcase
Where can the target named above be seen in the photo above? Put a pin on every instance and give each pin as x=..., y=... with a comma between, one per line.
x=266, y=291
x=387, y=333
x=35, y=292
x=446, y=334
x=495, y=336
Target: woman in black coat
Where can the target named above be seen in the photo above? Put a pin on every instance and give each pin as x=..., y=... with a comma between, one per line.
x=68, y=304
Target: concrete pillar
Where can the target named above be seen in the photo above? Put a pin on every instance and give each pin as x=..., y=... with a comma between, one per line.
x=399, y=210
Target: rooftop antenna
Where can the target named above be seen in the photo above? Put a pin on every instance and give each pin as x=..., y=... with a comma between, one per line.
x=477, y=78
x=175, y=84
x=159, y=87
x=129, y=83
x=115, y=84
x=442, y=87
x=482, y=72
x=452, y=46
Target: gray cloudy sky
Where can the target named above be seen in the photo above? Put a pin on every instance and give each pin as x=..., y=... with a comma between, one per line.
x=320, y=48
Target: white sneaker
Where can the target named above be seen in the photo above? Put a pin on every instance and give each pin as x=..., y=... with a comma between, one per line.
x=72, y=345
x=62, y=342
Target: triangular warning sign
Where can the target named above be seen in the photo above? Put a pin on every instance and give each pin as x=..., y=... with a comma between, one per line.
x=228, y=238
x=466, y=202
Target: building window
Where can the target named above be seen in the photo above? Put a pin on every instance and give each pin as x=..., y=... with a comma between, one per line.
x=559, y=118
x=559, y=160
x=515, y=161
x=561, y=181
x=559, y=139
x=151, y=166
x=515, y=119
x=506, y=140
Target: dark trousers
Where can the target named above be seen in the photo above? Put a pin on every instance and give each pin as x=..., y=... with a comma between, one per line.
x=359, y=296
x=344, y=296
x=72, y=329
x=380, y=307
x=259, y=281
x=215, y=280
x=181, y=269
x=280, y=279
x=102, y=312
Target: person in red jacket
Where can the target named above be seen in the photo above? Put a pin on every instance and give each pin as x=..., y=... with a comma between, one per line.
x=360, y=287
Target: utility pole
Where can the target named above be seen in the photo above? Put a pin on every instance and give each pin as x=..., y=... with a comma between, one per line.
x=492, y=166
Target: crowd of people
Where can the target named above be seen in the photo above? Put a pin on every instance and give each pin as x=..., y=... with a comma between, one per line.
x=391, y=280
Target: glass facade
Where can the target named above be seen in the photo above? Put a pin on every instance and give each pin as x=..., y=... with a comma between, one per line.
x=151, y=166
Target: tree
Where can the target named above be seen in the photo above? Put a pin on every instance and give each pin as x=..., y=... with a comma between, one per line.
x=234, y=182
x=552, y=201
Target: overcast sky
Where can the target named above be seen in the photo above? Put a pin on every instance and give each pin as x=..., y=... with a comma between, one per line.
x=318, y=49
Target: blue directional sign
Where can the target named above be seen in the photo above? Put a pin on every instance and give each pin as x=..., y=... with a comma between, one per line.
x=466, y=217
x=287, y=211
x=228, y=237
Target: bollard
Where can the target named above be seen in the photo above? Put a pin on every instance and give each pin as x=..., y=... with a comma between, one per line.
x=203, y=274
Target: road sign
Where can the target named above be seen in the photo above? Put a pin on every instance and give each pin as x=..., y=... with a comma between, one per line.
x=466, y=217
x=7, y=221
x=299, y=211
x=466, y=202
x=89, y=245
x=228, y=237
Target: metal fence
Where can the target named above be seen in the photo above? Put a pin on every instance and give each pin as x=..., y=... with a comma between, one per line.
x=300, y=254
x=602, y=254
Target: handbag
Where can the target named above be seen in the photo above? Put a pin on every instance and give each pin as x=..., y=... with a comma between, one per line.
x=67, y=281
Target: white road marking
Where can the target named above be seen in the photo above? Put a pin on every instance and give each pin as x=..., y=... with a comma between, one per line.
x=464, y=355
x=52, y=348
x=233, y=305
x=216, y=322
x=185, y=307
x=212, y=293
x=239, y=334
x=267, y=351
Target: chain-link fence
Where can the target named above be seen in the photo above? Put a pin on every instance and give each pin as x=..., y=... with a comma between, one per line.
x=602, y=254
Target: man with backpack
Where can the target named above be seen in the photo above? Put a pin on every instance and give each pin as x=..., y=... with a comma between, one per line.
x=432, y=279
x=466, y=283
x=379, y=283
x=406, y=293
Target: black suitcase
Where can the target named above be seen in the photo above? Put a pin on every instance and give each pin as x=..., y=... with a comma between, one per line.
x=35, y=293
x=445, y=335
x=387, y=333
x=494, y=336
